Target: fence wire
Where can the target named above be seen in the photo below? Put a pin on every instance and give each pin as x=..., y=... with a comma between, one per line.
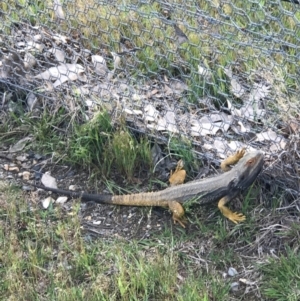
x=222, y=74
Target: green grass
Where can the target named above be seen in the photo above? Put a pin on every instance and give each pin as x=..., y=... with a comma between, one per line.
x=94, y=145
x=182, y=149
x=44, y=256
x=281, y=277
x=129, y=154
x=97, y=144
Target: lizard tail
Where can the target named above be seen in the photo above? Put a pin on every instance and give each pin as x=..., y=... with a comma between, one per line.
x=97, y=198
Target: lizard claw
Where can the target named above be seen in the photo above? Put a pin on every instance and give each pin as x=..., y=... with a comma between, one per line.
x=181, y=221
x=237, y=217
x=240, y=154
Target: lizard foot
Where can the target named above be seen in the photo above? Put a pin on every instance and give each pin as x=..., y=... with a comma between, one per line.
x=236, y=217
x=239, y=154
x=233, y=216
x=231, y=160
x=181, y=221
x=178, y=213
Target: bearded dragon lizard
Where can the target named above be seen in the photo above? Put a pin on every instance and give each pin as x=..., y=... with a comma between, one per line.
x=222, y=188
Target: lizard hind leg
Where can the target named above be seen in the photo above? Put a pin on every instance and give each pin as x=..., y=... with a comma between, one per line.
x=233, y=216
x=178, y=176
x=178, y=213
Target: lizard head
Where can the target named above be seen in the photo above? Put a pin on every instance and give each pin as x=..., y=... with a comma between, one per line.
x=248, y=168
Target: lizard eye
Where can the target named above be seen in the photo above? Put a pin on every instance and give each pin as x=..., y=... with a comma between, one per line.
x=251, y=161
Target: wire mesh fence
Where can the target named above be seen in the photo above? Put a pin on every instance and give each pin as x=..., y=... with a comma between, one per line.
x=221, y=74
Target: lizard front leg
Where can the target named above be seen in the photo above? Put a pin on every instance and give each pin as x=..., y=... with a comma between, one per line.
x=225, y=166
x=231, y=160
x=233, y=216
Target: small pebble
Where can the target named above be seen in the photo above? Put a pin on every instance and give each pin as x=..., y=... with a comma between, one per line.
x=232, y=272
x=234, y=286
x=61, y=199
x=27, y=188
x=26, y=175
x=46, y=202
x=21, y=158
x=96, y=222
